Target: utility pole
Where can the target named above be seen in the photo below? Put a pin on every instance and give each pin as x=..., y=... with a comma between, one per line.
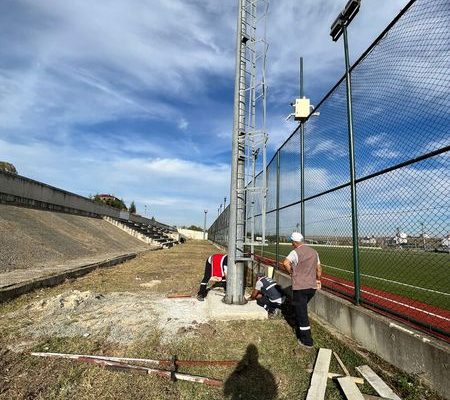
x=224, y=202
x=204, y=225
x=248, y=135
x=423, y=236
x=235, y=276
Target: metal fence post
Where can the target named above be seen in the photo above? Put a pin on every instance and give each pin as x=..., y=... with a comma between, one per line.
x=302, y=178
x=357, y=278
x=277, y=218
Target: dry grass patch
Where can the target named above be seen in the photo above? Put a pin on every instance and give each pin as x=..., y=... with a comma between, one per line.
x=125, y=312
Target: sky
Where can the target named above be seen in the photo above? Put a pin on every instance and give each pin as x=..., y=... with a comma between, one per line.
x=135, y=97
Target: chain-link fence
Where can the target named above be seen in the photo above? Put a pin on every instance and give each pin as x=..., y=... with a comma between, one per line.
x=401, y=119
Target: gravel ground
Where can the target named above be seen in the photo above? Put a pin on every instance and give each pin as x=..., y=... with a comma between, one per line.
x=118, y=317
x=33, y=238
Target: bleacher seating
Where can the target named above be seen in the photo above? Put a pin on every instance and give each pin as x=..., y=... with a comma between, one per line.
x=158, y=234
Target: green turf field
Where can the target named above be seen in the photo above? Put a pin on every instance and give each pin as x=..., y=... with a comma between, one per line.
x=396, y=268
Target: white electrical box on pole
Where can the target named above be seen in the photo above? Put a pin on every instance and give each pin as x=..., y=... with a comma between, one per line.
x=249, y=142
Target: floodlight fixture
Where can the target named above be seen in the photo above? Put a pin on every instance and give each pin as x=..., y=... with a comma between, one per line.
x=344, y=18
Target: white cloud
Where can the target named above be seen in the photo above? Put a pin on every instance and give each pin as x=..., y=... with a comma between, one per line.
x=386, y=153
x=328, y=147
x=175, y=190
x=375, y=139
x=96, y=93
x=183, y=124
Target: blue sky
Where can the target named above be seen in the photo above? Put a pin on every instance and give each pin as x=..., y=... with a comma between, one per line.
x=134, y=98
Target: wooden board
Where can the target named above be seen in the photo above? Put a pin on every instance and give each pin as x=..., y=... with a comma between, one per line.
x=332, y=375
x=342, y=365
x=350, y=389
x=178, y=295
x=319, y=378
x=377, y=383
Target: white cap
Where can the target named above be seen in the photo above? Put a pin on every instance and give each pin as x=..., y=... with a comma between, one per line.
x=296, y=237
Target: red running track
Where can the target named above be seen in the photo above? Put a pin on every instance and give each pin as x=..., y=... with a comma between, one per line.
x=427, y=318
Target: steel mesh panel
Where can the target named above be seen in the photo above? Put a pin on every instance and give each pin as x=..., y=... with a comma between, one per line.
x=328, y=229
x=272, y=185
x=400, y=91
x=404, y=217
x=271, y=237
x=289, y=222
x=326, y=145
x=218, y=231
x=290, y=171
x=258, y=197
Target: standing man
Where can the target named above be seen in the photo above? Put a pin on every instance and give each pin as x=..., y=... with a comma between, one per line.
x=215, y=269
x=268, y=294
x=303, y=265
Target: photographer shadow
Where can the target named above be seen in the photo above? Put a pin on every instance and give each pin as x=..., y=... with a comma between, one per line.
x=288, y=310
x=250, y=380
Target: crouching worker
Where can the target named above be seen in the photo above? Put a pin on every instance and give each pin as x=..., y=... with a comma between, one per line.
x=268, y=294
x=215, y=269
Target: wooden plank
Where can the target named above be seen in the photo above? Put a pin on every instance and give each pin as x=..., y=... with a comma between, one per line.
x=341, y=364
x=319, y=378
x=377, y=383
x=350, y=389
x=332, y=375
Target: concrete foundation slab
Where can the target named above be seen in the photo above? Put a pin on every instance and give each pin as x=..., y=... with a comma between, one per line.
x=219, y=311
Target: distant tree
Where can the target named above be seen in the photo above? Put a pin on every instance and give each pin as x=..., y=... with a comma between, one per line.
x=111, y=201
x=194, y=228
x=8, y=167
x=132, y=208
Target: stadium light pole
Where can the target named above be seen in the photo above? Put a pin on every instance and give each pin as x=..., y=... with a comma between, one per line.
x=302, y=158
x=204, y=225
x=338, y=28
x=235, y=275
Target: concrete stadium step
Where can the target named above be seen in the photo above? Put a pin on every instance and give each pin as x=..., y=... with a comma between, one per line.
x=156, y=235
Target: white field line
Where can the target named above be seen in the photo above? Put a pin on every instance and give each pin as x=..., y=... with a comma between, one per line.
x=388, y=280
x=382, y=279
x=395, y=302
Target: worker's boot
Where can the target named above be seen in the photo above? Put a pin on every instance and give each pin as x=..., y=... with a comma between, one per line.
x=202, y=294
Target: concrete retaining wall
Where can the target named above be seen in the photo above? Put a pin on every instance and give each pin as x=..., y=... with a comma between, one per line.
x=190, y=234
x=400, y=345
x=21, y=191
x=13, y=291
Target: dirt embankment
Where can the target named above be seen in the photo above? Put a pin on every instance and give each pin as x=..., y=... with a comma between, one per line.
x=33, y=238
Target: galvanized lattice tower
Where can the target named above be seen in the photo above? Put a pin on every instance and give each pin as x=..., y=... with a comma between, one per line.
x=249, y=142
